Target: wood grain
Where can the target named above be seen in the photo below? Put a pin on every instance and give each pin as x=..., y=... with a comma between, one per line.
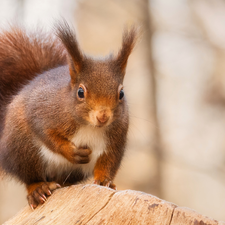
x=92, y=204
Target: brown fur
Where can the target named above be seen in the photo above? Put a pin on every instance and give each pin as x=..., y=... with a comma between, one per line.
x=129, y=40
x=46, y=110
x=69, y=40
x=23, y=55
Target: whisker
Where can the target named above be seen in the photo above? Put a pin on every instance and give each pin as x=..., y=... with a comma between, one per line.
x=67, y=177
x=144, y=136
x=141, y=118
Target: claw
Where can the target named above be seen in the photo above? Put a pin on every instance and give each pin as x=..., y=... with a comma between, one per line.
x=97, y=182
x=31, y=206
x=44, y=197
x=58, y=185
x=38, y=192
x=108, y=184
x=105, y=183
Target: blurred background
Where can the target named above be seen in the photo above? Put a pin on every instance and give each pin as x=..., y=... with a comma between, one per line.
x=175, y=85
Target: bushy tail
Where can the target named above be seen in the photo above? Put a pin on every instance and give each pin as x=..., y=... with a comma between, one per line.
x=23, y=55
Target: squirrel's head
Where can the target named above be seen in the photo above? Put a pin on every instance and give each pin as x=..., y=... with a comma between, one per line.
x=97, y=85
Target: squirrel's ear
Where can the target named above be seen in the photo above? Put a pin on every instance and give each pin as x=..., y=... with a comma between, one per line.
x=128, y=43
x=69, y=40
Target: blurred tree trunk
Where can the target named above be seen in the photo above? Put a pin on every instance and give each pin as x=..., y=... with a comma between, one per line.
x=156, y=146
x=215, y=93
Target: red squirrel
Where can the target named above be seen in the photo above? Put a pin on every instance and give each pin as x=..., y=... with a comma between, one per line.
x=64, y=115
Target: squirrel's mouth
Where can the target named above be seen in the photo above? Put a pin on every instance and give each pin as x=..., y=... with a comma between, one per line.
x=101, y=118
x=100, y=125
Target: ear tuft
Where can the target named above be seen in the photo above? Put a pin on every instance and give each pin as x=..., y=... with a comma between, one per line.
x=129, y=39
x=69, y=40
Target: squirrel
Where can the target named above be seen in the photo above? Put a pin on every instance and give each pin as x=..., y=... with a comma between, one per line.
x=63, y=115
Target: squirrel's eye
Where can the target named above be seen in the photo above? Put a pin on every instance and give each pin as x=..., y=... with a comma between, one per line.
x=80, y=92
x=121, y=94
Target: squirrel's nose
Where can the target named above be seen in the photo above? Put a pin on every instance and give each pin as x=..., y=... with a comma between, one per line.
x=102, y=116
x=102, y=119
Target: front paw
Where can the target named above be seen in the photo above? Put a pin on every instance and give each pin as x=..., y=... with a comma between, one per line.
x=106, y=183
x=77, y=155
x=38, y=192
x=81, y=156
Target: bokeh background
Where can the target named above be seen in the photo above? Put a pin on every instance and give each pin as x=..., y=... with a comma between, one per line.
x=175, y=85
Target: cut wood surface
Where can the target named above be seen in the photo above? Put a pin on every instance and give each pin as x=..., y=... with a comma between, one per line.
x=92, y=204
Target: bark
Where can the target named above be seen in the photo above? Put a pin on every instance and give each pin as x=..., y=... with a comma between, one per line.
x=92, y=204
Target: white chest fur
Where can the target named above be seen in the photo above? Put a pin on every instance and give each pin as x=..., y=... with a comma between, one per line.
x=93, y=137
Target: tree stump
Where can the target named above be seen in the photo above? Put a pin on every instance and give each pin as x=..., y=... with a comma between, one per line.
x=92, y=204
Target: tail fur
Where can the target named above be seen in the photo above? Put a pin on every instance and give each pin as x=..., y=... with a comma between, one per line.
x=23, y=55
